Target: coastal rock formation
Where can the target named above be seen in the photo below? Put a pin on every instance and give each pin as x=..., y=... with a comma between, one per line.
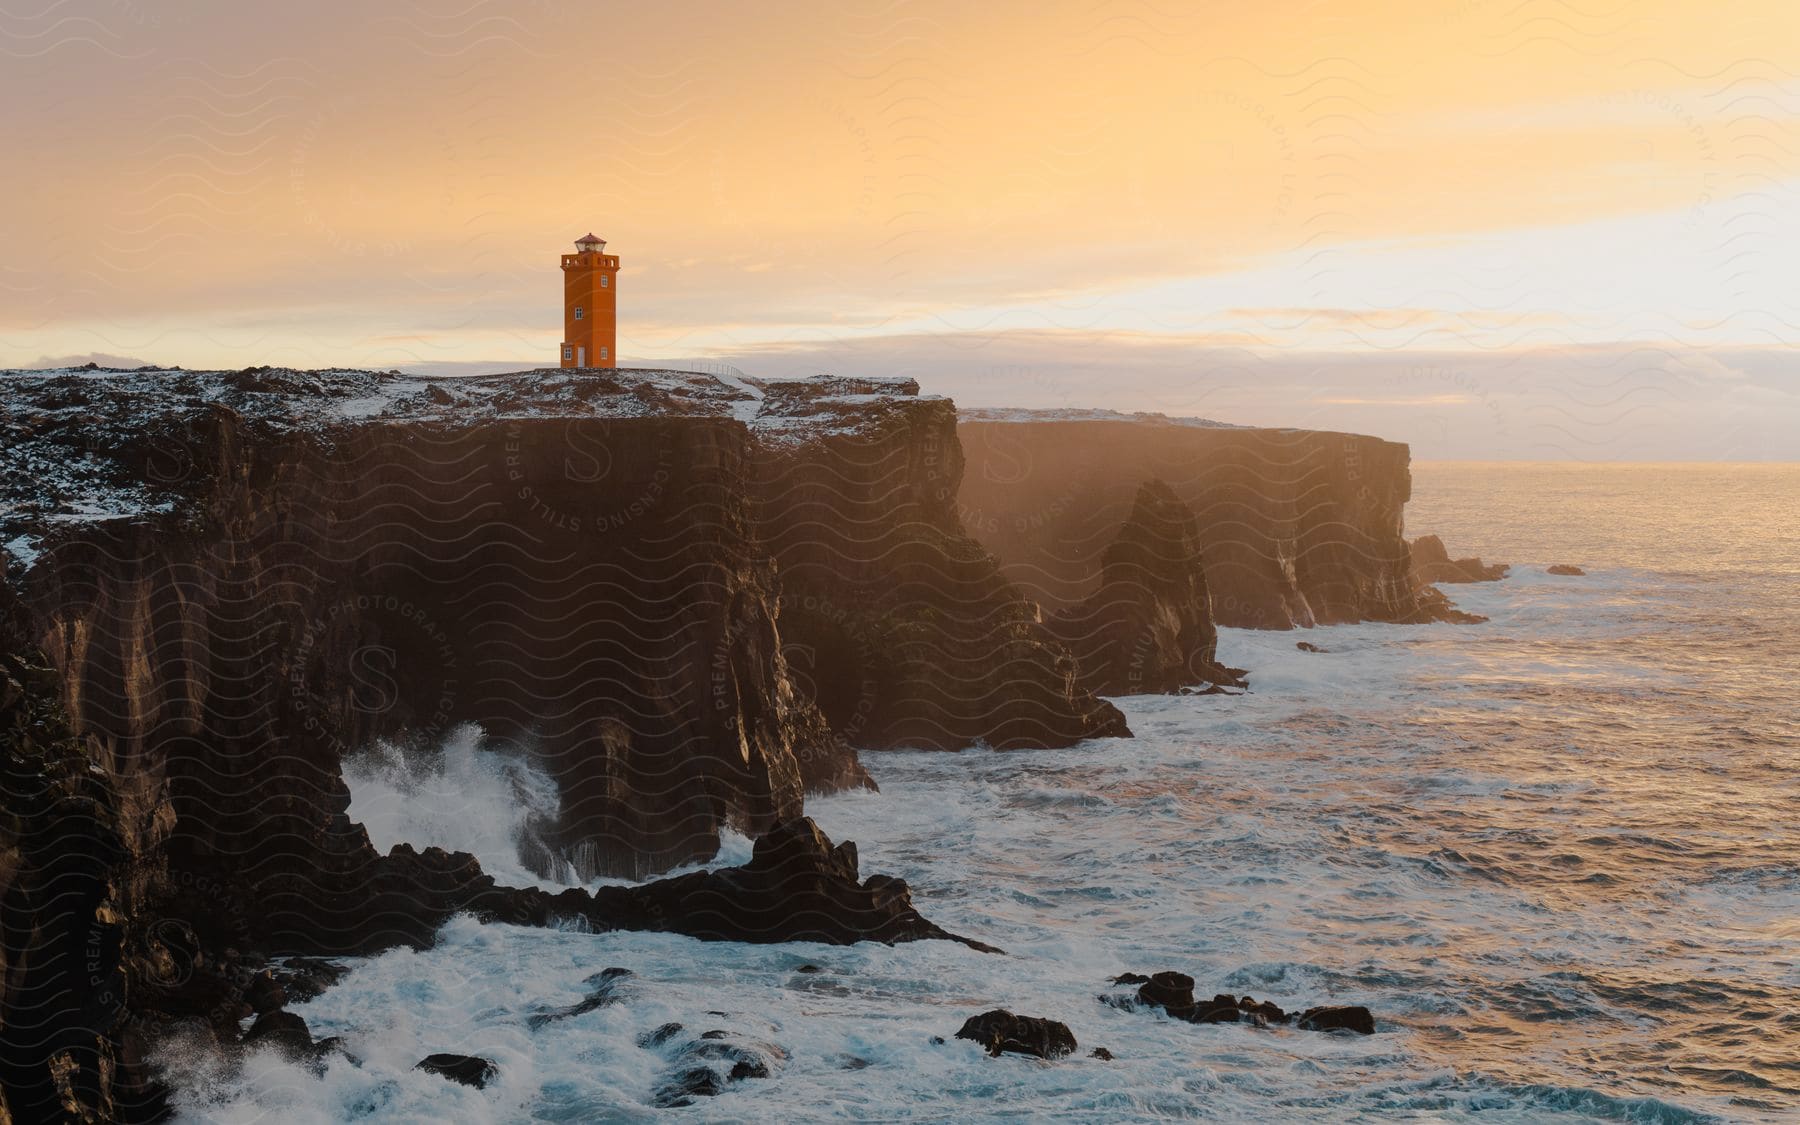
x=1000, y=1032
x=1149, y=626
x=244, y=575
x=1566, y=570
x=705, y=1065
x=278, y=575
x=610, y=573
x=1297, y=527
x=1174, y=993
x=798, y=886
x=470, y=1070
x=218, y=584
x=904, y=629
x=1339, y=1018
x=1431, y=563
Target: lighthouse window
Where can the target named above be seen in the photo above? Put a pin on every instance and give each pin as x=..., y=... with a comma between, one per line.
x=602, y=351
x=603, y=281
x=577, y=312
x=568, y=351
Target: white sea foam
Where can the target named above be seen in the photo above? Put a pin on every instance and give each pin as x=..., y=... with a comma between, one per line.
x=458, y=795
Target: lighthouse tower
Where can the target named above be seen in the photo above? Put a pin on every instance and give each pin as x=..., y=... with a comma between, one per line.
x=590, y=305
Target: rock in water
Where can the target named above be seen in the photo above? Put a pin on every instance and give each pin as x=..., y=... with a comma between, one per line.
x=798, y=886
x=1149, y=627
x=603, y=994
x=1431, y=563
x=1174, y=993
x=1434, y=605
x=702, y=1067
x=1567, y=571
x=306, y=978
x=660, y=1036
x=470, y=1070
x=1308, y=646
x=1355, y=1019
x=1001, y=1032
x=264, y=993
x=681, y=1089
x=283, y=1030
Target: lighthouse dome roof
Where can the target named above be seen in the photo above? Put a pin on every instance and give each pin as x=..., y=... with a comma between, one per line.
x=590, y=239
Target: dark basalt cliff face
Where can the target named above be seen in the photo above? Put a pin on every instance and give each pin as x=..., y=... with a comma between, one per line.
x=310, y=592
x=220, y=584
x=68, y=882
x=241, y=577
x=1297, y=527
x=1149, y=626
x=903, y=628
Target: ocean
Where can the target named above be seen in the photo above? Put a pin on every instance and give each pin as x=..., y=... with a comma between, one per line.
x=1556, y=855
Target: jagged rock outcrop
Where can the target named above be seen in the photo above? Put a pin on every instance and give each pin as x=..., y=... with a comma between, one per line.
x=1297, y=527
x=798, y=886
x=1431, y=563
x=903, y=627
x=1149, y=626
x=470, y=1070
x=1000, y=1032
x=1174, y=993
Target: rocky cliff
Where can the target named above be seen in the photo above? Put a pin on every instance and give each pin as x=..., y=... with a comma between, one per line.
x=1148, y=627
x=688, y=598
x=1297, y=527
x=1431, y=563
x=902, y=627
x=243, y=576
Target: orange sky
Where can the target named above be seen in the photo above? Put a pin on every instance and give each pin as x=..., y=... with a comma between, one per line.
x=391, y=184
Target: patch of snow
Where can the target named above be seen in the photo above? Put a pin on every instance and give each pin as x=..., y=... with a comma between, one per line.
x=750, y=406
x=1082, y=414
x=364, y=407
x=23, y=548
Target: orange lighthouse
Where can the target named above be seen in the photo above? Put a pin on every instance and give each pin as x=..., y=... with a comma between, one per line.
x=590, y=305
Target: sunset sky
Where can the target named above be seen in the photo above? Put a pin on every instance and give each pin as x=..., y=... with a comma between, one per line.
x=1491, y=228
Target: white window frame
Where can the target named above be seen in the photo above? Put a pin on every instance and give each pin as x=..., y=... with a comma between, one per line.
x=578, y=313
x=568, y=351
x=603, y=351
x=603, y=281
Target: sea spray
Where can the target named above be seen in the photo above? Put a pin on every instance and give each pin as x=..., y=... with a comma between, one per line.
x=460, y=795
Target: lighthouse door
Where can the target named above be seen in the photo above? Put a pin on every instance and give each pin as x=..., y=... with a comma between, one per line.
x=580, y=357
